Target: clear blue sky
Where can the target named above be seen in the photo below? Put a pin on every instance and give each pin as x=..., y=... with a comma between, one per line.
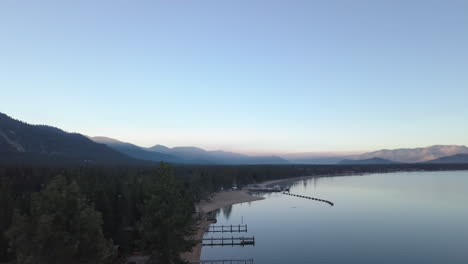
x=244, y=75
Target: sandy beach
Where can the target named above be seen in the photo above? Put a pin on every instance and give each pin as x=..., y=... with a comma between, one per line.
x=218, y=201
x=226, y=198
x=223, y=199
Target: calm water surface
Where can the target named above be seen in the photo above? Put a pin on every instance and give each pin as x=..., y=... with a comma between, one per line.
x=417, y=217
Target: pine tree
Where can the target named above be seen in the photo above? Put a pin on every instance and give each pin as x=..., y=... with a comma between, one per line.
x=167, y=219
x=61, y=227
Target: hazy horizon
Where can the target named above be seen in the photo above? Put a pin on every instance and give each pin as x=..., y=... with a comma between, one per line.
x=308, y=154
x=285, y=154
x=244, y=76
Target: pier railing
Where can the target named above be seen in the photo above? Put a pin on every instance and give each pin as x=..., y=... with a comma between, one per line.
x=225, y=261
x=228, y=241
x=227, y=228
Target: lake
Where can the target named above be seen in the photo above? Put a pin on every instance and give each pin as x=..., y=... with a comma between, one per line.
x=407, y=217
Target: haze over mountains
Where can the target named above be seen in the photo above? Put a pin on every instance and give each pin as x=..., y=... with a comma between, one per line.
x=22, y=142
x=134, y=150
x=187, y=155
x=407, y=155
x=455, y=159
x=314, y=157
x=216, y=156
x=371, y=161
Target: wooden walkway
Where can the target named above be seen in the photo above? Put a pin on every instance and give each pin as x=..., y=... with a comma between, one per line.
x=227, y=228
x=151, y=260
x=225, y=261
x=228, y=241
x=307, y=197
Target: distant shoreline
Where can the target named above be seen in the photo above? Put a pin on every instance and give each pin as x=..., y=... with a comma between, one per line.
x=226, y=198
x=290, y=180
x=230, y=197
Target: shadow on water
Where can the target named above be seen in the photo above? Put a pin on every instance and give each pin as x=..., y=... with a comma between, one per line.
x=406, y=218
x=225, y=212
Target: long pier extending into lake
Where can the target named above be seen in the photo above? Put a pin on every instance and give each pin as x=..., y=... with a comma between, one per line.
x=308, y=197
x=227, y=228
x=225, y=261
x=228, y=241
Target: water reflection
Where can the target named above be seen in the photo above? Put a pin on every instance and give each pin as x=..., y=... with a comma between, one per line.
x=227, y=211
x=381, y=218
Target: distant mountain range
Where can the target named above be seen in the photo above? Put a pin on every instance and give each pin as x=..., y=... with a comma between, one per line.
x=135, y=151
x=415, y=155
x=431, y=154
x=194, y=154
x=458, y=158
x=187, y=155
x=22, y=142
x=371, y=161
x=312, y=158
x=387, y=156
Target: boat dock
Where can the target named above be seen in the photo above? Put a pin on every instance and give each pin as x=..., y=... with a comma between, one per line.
x=229, y=241
x=225, y=261
x=227, y=228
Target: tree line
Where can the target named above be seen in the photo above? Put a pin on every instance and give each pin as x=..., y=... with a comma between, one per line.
x=98, y=214
x=93, y=215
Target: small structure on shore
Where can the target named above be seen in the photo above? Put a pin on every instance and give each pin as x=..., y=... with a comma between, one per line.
x=258, y=188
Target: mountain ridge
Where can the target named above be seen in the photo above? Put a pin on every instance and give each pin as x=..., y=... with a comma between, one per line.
x=194, y=154
x=371, y=161
x=187, y=154
x=20, y=141
x=135, y=151
x=53, y=144
x=415, y=155
x=454, y=159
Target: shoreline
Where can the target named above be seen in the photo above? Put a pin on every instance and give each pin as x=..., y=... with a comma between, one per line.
x=230, y=197
x=226, y=198
x=219, y=200
x=299, y=178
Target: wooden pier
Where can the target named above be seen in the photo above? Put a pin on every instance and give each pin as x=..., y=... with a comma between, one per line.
x=225, y=261
x=228, y=241
x=310, y=198
x=227, y=228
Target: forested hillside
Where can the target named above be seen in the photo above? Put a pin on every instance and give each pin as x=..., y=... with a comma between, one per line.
x=45, y=212
x=38, y=144
x=79, y=215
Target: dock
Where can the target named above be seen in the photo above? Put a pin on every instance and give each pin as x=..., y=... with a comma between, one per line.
x=228, y=241
x=227, y=228
x=310, y=198
x=225, y=261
